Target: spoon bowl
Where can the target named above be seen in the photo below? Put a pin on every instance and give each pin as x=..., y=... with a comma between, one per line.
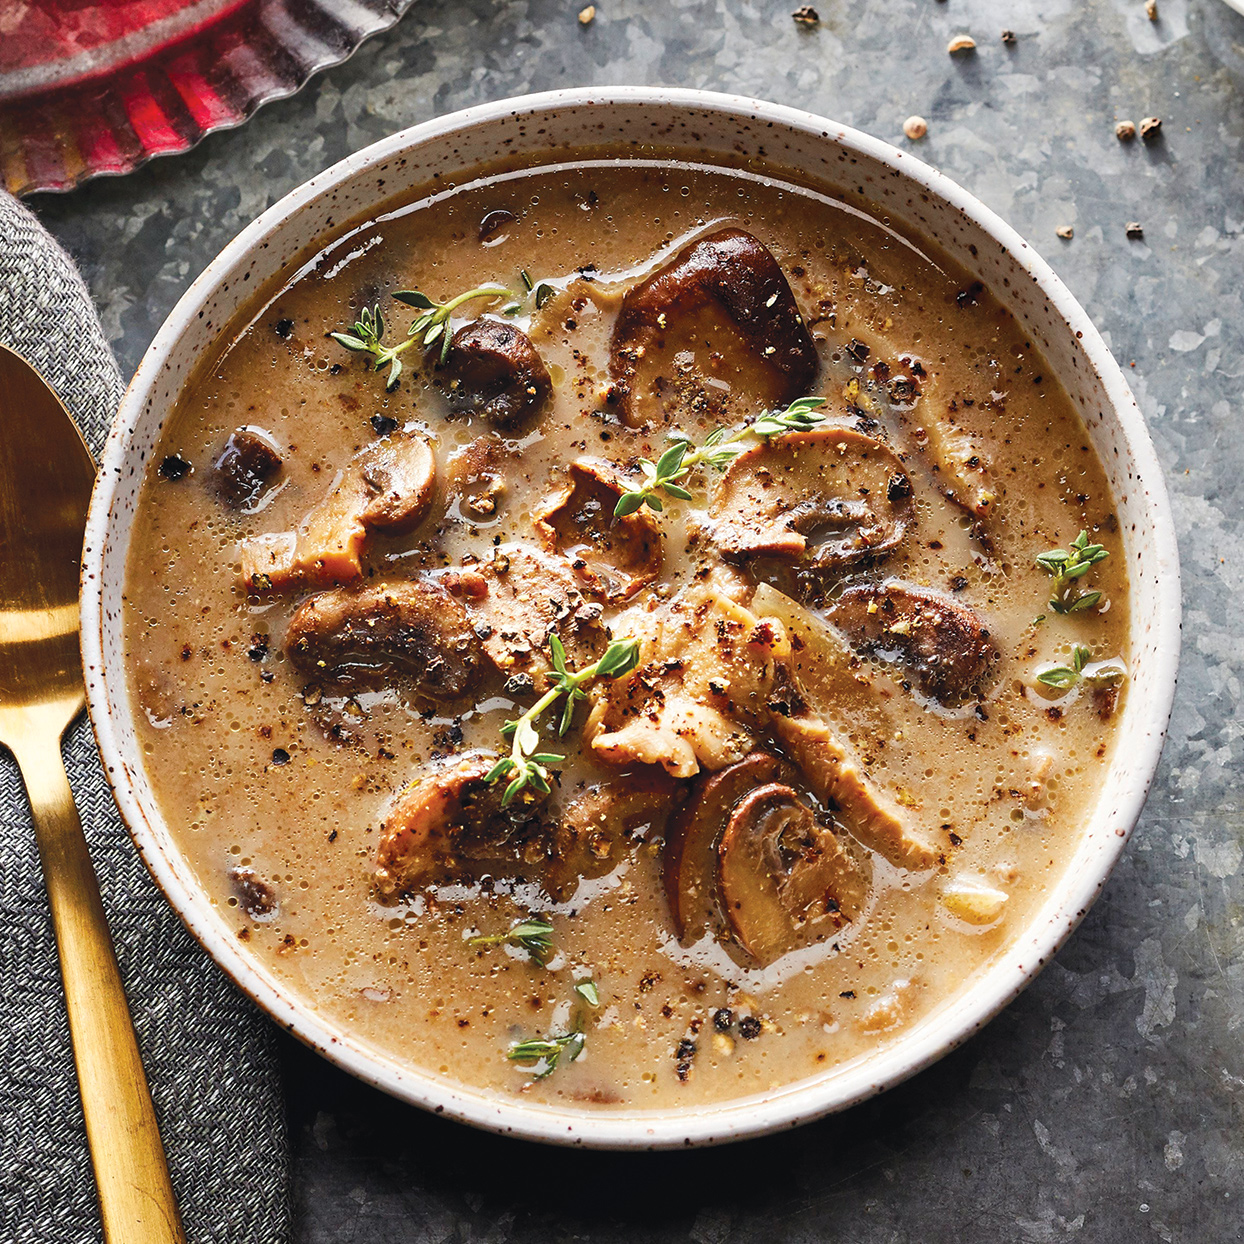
x=46, y=477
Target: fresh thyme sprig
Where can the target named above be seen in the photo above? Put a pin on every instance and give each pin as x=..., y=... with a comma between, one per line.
x=718, y=451
x=1068, y=565
x=433, y=324
x=367, y=334
x=1065, y=676
x=533, y=935
x=366, y=339
x=525, y=766
x=545, y=1052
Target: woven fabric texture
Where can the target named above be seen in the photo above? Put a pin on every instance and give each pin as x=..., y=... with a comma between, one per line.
x=210, y=1056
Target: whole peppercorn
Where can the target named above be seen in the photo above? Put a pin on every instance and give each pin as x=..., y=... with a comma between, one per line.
x=175, y=467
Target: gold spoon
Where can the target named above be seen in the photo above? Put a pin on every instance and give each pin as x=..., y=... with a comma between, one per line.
x=46, y=474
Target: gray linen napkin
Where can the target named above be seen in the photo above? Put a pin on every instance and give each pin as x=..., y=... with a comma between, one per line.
x=210, y=1056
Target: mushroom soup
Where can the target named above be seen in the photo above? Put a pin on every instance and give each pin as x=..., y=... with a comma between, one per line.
x=628, y=632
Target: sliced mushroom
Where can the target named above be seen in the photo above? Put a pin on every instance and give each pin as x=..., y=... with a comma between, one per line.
x=720, y=315
x=956, y=454
x=387, y=487
x=583, y=305
x=399, y=478
x=958, y=457
x=706, y=669
x=944, y=646
x=518, y=598
x=689, y=857
x=597, y=825
x=838, y=781
x=475, y=479
x=785, y=878
x=246, y=467
x=415, y=630
x=446, y=818
x=820, y=499
x=825, y=667
x=495, y=372
x=613, y=556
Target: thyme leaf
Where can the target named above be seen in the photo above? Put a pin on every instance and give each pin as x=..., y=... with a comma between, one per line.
x=588, y=992
x=545, y=1052
x=718, y=451
x=1067, y=567
x=542, y=290
x=534, y=935
x=366, y=335
x=1066, y=676
x=366, y=338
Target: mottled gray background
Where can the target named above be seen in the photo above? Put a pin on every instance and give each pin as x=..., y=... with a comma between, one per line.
x=1106, y=1104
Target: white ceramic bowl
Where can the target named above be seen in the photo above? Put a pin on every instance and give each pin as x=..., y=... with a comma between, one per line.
x=705, y=126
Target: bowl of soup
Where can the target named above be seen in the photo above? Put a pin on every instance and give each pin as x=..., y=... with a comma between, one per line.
x=630, y=617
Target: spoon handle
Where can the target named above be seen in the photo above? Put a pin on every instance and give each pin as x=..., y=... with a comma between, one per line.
x=131, y=1173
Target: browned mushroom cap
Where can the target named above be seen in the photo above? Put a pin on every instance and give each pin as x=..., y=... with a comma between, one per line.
x=518, y=598
x=942, y=644
x=822, y=499
x=448, y=816
x=734, y=278
x=785, y=879
x=246, y=466
x=414, y=630
x=689, y=858
x=614, y=556
x=494, y=371
x=399, y=478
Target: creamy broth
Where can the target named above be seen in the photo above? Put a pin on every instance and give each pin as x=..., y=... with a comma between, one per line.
x=280, y=781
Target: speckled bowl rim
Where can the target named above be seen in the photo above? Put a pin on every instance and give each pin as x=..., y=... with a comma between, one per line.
x=929, y=1039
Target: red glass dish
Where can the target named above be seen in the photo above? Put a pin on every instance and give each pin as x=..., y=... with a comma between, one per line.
x=90, y=88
